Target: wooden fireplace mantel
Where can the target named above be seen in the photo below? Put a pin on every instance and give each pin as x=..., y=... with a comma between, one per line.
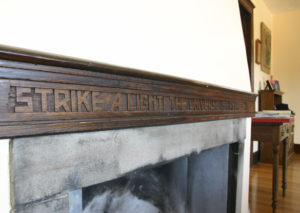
x=47, y=94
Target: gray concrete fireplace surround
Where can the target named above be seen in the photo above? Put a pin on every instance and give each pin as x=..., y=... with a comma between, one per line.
x=49, y=172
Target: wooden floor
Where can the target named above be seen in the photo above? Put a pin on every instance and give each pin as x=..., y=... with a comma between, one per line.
x=260, y=191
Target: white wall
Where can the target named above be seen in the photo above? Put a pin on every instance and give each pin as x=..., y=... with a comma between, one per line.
x=4, y=176
x=195, y=39
x=286, y=45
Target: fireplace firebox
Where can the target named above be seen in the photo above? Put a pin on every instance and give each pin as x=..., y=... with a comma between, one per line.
x=195, y=183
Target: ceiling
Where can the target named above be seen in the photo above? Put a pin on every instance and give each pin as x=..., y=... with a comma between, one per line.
x=278, y=6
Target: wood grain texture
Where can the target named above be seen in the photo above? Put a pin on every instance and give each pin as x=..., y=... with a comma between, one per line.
x=265, y=149
x=44, y=94
x=246, y=12
x=297, y=148
x=248, y=5
x=260, y=192
x=274, y=133
x=268, y=99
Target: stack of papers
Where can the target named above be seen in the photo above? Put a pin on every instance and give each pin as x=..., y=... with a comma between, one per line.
x=273, y=114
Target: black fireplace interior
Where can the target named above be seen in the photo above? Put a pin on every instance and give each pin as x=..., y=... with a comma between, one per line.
x=204, y=182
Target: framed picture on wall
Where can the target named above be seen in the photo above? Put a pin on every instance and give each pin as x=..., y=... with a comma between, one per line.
x=258, y=51
x=265, y=48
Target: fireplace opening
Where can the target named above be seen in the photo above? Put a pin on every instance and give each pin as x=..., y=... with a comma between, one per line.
x=204, y=182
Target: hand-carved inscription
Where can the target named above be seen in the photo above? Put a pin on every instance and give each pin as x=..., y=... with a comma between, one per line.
x=23, y=99
x=181, y=104
x=83, y=101
x=117, y=103
x=97, y=102
x=74, y=101
x=62, y=99
x=65, y=100
x=157, y=103
x=130, y=105
x=144, y=103
x=44, y=93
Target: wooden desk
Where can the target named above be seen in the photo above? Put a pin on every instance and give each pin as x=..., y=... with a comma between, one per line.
x=275, y=131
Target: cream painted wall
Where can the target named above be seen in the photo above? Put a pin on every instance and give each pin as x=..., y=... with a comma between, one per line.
x=261, y=14
x=286, y=60
x=195, y=39
x=4, y=176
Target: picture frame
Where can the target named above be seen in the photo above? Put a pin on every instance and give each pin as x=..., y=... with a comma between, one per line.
x=265, y=48
x=258, y=51
x=276, y=86
x=269, y=85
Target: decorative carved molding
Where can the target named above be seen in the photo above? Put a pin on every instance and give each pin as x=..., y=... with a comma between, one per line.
x=43, y=94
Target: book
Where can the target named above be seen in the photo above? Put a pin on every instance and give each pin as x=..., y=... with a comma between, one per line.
x=273, y=114
x=280, y=112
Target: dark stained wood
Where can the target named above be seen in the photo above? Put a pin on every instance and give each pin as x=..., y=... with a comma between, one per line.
x=275, y=176
x=62, y=103
x=45, y=94
x=274, y=134
x=248, y=5
x=246, y=11
x=284, y=166
x=22, y=99
x=268, y=99
x=297, y=148
x=265, y=148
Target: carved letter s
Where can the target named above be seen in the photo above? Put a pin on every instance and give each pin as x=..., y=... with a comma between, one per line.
x=22, y=99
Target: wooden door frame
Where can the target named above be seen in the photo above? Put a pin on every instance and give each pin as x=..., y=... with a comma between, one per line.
x=249, y=7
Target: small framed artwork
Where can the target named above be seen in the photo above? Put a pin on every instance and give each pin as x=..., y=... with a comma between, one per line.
x=258, y=51
x=265, y=48
x=276, y=86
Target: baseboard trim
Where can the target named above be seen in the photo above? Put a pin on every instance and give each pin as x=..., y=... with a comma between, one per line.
x=297, y=148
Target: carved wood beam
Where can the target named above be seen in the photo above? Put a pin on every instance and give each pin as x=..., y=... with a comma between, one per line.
x=45, y=94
